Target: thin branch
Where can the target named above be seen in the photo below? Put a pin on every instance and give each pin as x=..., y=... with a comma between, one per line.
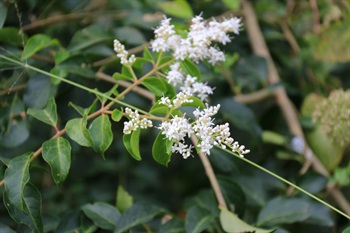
x=254, y=97
x=7, y=91
x=316, y=16
x=211, y=175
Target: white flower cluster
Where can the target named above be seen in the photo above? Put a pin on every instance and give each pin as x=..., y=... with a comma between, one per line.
x=188, y=84
x=135, y=122
x=181, y=98
x=198, y=45
x=123, y=54
x=209, y=134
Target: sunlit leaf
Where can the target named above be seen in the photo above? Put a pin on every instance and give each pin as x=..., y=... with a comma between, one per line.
x=232, y=224
x=178, y=8
x=131, y=143
x=37, y=43
x=124, y=199
x=16, y=177
x=57, y=153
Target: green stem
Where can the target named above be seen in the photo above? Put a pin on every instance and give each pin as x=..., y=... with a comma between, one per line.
x=289, y=183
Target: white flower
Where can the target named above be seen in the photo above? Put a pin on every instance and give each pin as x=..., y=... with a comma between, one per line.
x=123, y=54
x=176, y=128
x=135, y=122
x=174, y=76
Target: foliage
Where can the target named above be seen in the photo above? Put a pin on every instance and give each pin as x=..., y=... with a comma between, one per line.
x=71, y=161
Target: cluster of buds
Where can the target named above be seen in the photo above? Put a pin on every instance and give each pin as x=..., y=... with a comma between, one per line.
x=135, y=121
x=123, y=54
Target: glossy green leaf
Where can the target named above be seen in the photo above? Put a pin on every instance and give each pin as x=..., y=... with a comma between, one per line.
x=117, y=115
x=159, y=150
x=232, y=224
x=101, y=133
x=131, y=143
x=155, y=85
x=70, y=222
x=102, y=214
x=177, y=8
x=346, y=230
x=118, y=76
x=47, y=115
x=39, y=91
x=37, y=43
x=86, y=225
x=3, y=14
x=16, y=177
x=11, y=36
x=284, y=210
x=57, y=153
x=77, y=131
x=124, y=199
x=31, y=215
x=137, y=214
x=192, y=69
x=198, y=220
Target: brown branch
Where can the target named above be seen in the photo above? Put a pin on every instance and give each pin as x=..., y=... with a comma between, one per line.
x=260, y=48
x=7, y=91
x=67, y=17
x=211, y=175
x=316, y=16
x=254, y=97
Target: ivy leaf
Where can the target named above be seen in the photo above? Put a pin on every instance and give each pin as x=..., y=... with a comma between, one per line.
x=31, y=215
x=101, y=133
x=155, y=85
x=124, y=199
x=160, y=151
x=131, y=143
x=135, y=215
x=15, y=178
x=192, y=69
x=198, y=220
x=77, y=131
x=47, y=115
x=102, y=214
x=231, y=223
x=37, y=43
x=57, y=153
x=178, y=8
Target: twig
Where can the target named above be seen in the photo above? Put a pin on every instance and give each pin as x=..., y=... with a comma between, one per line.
x=211, y=175
x=289, y=36
x=13, y=89
x=260, y=48
x=254, y=97
x=316, y=16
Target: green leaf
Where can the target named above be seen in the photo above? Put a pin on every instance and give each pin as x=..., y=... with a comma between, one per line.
x=118, y=76
x=273, y=138
x=37, y=43
x=15, y=178
x=192, y=69
x=3, y=14
x=233, y=194
x=39, y=91
x=124, y=199
x=47, y=115
x=195, y=103
x=172, y=226
x=131, y=143
x=31, y=215
x=347, y=230
x=159, y=150
x=117, y=115
x=198, y=220
x=101, y=133
x=102, y=214
x=6, y=229
x=130, y=34
x=284, y=210
x=87, y=37
x=57, y=153
x=147, y=55
x=16, y=134
x=177, y=8
x=60, y=56
x=155, y=85
x=232, y=4
x=135, y=215
x=86, y=225
x=70, y=222
x=10, y=35
x=77, y=131
x=232, y=224
x=84, y=111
